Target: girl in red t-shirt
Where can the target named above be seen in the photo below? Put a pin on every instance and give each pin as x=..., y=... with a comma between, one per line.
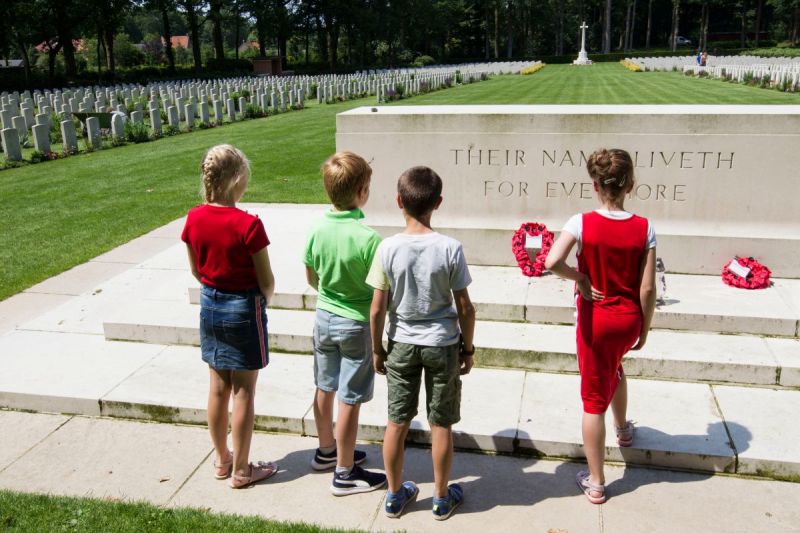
x=615, y=297
x=228, y=254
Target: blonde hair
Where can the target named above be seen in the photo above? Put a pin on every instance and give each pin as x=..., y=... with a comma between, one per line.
x=345, y=175
x=612, y=170
x=223, y=166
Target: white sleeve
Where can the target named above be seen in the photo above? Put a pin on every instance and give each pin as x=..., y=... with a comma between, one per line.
x=651, y=236
x=574, y=226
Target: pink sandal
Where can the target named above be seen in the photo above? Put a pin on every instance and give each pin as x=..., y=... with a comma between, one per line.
x=625, y=434
x=223, y=470
x=258, y=472
x=582, y=478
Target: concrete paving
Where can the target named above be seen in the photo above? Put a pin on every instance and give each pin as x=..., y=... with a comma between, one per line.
x=60, y=359
x=170, y=465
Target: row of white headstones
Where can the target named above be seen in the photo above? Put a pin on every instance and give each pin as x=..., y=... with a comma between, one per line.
x=778, y=70
x=207, y=100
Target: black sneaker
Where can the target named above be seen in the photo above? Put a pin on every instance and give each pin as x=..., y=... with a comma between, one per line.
x=358, y=480
x=326, y=461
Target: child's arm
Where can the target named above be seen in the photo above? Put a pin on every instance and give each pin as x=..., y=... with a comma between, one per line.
x=377, y=318
x=466, y=319
x=266, y=281
x=312, y=278
x=192, y=262
x=556, y=263
x=647, y=295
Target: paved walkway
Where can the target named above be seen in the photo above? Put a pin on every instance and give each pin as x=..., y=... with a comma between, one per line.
x=170, y=465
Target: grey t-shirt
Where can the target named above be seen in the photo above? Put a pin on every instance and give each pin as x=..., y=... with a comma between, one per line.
x=421, y=271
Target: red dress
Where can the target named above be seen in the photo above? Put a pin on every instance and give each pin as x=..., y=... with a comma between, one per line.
x=611, y=255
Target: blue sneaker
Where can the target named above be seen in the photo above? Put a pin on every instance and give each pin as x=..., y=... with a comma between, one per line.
x=397, y=502
x=444, y=507
x=358, y=480
x=326, y=461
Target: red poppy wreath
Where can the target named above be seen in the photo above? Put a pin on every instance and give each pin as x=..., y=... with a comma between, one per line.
x=536, y=267
x=746, y=273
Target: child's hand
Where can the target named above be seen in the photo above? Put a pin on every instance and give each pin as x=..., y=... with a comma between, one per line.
x=466, y=361
x=641, y=342
x=587, y=291
x=379, y=360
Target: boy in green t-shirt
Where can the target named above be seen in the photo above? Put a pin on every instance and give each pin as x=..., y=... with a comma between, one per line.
x=338, y=256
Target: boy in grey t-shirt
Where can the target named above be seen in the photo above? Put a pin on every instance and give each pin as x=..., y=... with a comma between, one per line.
x=418, y=275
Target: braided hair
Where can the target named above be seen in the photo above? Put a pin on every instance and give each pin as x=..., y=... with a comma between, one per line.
x=222, y=168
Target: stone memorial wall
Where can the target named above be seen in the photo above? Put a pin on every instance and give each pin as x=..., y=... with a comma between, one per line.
x=715, y=180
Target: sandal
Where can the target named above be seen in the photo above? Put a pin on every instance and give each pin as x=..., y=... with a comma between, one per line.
x=223, y=470
x=625, y=434
x=582, y=478
x=258, y=472
x=444, y=507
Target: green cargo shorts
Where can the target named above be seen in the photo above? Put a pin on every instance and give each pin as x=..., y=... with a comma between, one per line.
x=404, y=367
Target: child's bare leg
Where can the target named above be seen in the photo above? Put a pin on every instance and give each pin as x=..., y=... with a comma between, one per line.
x=442, y=452
x=323, y=417
x=393, y=450
x=619, y=403
x=244, y=393
x=219, y=393
x=594, y=438
x=346, y=431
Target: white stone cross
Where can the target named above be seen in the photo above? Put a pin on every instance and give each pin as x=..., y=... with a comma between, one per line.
x=583, y=36
x=583, y=59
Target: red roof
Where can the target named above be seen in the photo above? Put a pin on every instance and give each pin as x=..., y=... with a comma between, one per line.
x=178, y=40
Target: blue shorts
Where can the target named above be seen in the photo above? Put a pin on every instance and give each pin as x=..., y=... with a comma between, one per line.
x=233, y=329
x=343, y=357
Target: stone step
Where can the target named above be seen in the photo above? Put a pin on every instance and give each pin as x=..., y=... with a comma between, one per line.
x=682, y=356
x=692, y=303
x=706, y=427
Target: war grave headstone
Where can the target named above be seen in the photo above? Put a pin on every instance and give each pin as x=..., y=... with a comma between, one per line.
x=716, y=181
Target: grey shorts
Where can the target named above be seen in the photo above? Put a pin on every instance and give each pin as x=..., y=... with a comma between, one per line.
x=343, y=357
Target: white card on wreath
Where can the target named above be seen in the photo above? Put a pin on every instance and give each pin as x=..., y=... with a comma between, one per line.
x=739, y=269
x=533, y=241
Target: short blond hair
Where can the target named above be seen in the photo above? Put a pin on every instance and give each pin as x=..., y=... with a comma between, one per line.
x=223, y=166
x=345, y=175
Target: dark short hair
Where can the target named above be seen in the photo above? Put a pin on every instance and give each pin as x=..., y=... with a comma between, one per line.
x=419, y=189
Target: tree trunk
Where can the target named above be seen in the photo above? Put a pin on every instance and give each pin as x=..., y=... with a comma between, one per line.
x=607, y=28
x=633, y=27
x=560, y=35
x=194, y=29
x=168, y=51
x=510, y=31
x=215, y=15
x=238, y=30
x=743, y=33
x=758, y=20
x=496, y=32
x=649, y=23
x=64, y=28
x=322, y=40
x=627, y=33
x=676, y=13
x=26, y=61
x=795, y=26
x=108, y=38
x=704, y=29
x=52, y=54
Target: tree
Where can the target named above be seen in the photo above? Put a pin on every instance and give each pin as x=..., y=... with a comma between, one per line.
x=676, y=13
x=193, y=10
x=607, y=28
x=215, y=16
x=164, y=7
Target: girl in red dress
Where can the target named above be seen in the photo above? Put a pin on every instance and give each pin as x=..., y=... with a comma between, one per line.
x=615, y=298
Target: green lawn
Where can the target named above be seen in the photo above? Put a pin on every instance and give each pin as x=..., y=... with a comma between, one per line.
x=59, y=214
x=33, y=512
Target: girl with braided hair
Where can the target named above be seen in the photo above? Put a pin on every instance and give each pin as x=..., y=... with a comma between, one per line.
x=615, y=299
x=227, y=250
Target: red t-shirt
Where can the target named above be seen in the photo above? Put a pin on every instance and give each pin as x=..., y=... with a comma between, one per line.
x=224, y=240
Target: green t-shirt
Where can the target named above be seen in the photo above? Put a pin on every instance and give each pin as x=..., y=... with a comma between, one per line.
x=340, y=250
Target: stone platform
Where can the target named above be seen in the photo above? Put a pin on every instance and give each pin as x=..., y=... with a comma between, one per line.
x=703, y=399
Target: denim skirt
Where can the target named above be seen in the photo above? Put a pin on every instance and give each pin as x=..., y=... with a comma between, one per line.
x=233, y=329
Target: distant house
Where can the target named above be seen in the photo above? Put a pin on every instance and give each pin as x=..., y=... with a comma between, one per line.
x=11, y=63
x=78, y=44
x=178, y=40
